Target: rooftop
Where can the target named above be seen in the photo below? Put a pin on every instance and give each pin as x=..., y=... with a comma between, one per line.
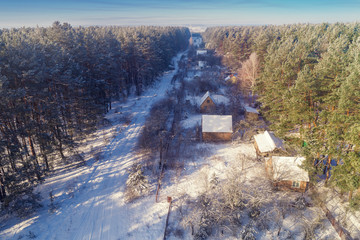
x=251, y=110
x=288, y=168
x=217, y=123
x=267, y=142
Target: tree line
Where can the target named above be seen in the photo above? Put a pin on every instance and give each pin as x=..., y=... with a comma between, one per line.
x=308, y=80
x=57, y=82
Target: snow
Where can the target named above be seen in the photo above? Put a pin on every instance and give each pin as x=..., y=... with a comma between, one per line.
x=192, y=121
x=90, y=202
x=288, y=168
x=206, y=95
x=267, y=142
x=201, y=64
x=201, y=52
x=216, y=98
x=217, y=123
x=251, y=110
x=220, y=99
x=339, y=208
x=90, y=199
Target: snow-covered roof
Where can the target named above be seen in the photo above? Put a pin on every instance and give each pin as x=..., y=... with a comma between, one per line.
x=220, y=99
x=201, y=52
x=267, y=142
x=217, y=99
x=216, y=123
x=251, y=110
x=206, y=95
x=288, y=169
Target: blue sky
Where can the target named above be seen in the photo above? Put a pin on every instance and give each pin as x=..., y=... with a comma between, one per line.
x=18, y=13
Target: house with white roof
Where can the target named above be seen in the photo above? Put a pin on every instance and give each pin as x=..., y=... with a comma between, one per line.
x=266, y=143
x=286, y=173
x=216, y=127
x=251, y=114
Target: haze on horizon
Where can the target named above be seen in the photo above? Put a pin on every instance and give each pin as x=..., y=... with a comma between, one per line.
x=19, y=13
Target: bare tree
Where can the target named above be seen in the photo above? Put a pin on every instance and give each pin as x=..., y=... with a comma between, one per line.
x=249, y=72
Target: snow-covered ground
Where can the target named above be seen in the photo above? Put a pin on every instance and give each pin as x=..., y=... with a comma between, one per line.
x=202, y=161
x=89, y=200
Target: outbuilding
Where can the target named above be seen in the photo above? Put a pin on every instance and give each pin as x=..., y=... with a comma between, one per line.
x=251, y=114
x=286, y=173
x=216, y=127
x=266, y=143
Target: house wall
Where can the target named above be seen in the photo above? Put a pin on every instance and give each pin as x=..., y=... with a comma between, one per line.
x=208, y=106
x=216, y=137
x=286, y=184
x=249, y=116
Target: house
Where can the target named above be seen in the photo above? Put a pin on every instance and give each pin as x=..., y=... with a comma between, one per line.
x=286, y=173
x=266, y=143
x=207, y=103
x=216, y=127
x=201, y=52
x=251, y=114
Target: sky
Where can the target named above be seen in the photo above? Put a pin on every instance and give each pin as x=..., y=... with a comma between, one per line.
x=31, y=13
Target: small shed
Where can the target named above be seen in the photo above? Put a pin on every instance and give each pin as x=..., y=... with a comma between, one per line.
x=201, y=52
x=207, y=103
x=216, y=127
x=251, y=114
x=266, y=143
x=286, y=173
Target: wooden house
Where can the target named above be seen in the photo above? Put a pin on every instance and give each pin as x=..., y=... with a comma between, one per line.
x=286, y=173
x=251, y=114
x=207, y=103
x=216, y=127
x=266, y=143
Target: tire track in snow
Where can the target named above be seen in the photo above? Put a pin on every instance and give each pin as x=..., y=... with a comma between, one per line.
x=121, y=145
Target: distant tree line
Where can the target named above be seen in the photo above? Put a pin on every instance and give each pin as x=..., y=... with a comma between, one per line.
x=57, y=82
x=308, y=80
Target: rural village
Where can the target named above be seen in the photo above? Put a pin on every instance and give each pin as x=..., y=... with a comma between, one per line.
x=215, y=171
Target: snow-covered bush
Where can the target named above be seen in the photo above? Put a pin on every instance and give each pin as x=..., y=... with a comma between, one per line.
x=249, y=232
x=136, y=184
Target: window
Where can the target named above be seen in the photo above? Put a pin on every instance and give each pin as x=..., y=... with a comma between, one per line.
x=295, y=184
x=208, y=101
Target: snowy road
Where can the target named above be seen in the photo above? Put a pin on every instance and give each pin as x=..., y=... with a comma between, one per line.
x=98, y=210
